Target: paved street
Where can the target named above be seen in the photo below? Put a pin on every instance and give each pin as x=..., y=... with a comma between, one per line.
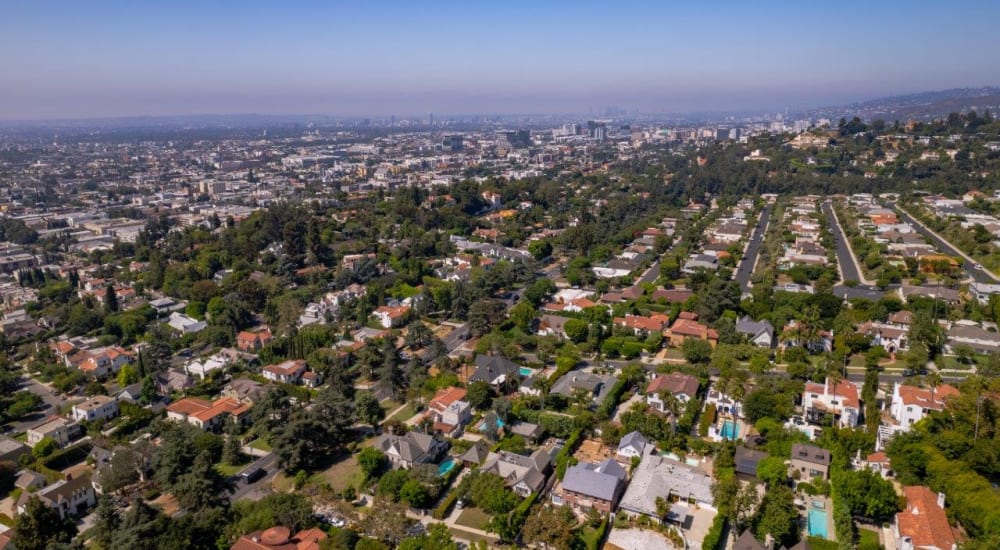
x=746, y=266
x=849, y=269
x=261, y=487
x=968, y=264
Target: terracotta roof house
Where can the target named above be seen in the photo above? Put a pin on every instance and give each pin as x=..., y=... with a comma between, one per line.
x=641, y=324
x=207, y=415
x=281, y=538
x=390, y=317
x=449, y=411
x=685, y=327
x=672, y=296
x=683, y=387
x=253, y=341
x=840, y=400
x=910, y=404
x=923, y=525
x=288, y=372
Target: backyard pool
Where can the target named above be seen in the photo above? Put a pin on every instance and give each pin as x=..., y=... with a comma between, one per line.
x=446, y=466
x=525, y=371
x=482, y=425
x=817, y=523
x=728, y=430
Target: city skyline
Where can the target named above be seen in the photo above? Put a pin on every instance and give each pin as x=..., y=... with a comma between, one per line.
x=109, y=59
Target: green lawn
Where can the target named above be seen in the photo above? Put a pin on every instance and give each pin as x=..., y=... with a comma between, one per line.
x=951, y=362
x=228, y=470
x=867, y=539
x=388, y=405
x=817, y=543
x=404, y=414
x=345, y=473
x=474, y=518
x=261, y=445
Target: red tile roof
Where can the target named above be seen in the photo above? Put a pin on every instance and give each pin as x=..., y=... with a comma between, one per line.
x=921, y=397
x=923, y=521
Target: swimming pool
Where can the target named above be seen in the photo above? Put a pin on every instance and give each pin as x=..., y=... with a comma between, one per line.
x=728, y=430
x=482, y=425
x=446, y=466
x=525, y=371
x=817, y=523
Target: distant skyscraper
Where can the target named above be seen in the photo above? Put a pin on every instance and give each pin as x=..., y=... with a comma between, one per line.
x=600, y=132
x=392, y=120
x=430, y=119
x=453, y=143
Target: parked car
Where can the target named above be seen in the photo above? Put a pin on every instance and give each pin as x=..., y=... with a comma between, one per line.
x=253, y=474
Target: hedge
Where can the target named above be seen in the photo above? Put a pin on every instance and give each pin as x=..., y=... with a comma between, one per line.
x=612, y=399
x=444, y=507
x=566, y=453
x=714, y=535
x=602, y=531
x=706, y=420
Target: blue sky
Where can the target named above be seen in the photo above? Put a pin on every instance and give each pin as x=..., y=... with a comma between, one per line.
x=109, y=58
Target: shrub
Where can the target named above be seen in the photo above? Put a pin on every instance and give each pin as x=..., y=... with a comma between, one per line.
x=706, y=420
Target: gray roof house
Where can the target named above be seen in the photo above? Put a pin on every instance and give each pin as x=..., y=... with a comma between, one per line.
x=597, y=386
x=701, y=262
x=476, y=454
x=632, y=444
x=659, y=476
x=747, y=460
x=760, y=333
x=523, y=474
x=494, y=370
x=597, y=486
x=406, y=451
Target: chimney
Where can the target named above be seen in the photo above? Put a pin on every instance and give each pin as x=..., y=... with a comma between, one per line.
x=941, y=500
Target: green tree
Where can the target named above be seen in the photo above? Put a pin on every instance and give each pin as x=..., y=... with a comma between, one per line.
x=437, y=537
x=696, y=350
x=522, y=315
x=372, y=462
x=45, y=447
x=479, y=394
x=368, y=408
x=414, y=493
x=110, y=299
x=540, y=249
x=203, y=487
x=552, y=527
x=576, y=329
x=128, y=375
x=772, y=471
x=778, y=517
x=41, y=526
x=106, y=523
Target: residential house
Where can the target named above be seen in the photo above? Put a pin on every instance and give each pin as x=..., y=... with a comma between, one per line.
x=700, y=262
x=923, y=524
x=840, y=400
x=687, y=326
x=449, y=411
x=411, y=449
x=552, y=325
x=910, y=404
x=877, y=462
x=672, y=296
x=281, y=538
x=98, y=407
x=390, y=317
x=641, y=325
x=56, y=428
x=530, y=432
x=70, y=497
x=747, y=461
x=495, y=370
x=287, y=372
x=252, y=341
x=659, y=477
x=172, y=381
x=724, y=403
x=523, y=474
x=759, y=333
x=245, y=390
x=746, y=541
x=683, y=387
x=11, y=449
x=891, y=337
x=203, y=367
x=184, y=324
x=207, y=415
x=973, y=336
x=595, y=386
x=476, y=454
x=591, y=486
x=104, y=362
x=809, y=462
x=632, y=445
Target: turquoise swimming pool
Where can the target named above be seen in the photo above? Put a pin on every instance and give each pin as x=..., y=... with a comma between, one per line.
x=729, y=430
x=525, y=371
x=482, y=425
x=446, y=466
x=817, y=523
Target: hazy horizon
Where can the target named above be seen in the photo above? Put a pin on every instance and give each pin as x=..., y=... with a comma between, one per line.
x=100, y=59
